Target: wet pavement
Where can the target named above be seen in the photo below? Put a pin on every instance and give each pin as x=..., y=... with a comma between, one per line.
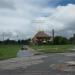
x=24, y=53
x=43, y=67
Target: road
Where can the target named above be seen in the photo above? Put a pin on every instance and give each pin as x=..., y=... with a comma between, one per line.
x=43, y=67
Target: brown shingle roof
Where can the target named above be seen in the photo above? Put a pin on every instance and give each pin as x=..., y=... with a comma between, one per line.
x=41, y=34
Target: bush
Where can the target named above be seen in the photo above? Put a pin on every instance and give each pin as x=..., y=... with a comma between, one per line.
x=59, y=40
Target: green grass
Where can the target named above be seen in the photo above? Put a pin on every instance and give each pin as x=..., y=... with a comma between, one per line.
x=8, y=51
x=53, y=48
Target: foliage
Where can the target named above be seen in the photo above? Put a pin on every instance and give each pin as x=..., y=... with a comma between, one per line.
x=59, y=40
x=72, y=40
x=14, y=42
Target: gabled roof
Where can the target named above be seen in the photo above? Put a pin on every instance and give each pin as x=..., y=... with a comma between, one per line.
x=41, y=34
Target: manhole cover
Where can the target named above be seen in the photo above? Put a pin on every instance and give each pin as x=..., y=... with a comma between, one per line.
x=68, y=66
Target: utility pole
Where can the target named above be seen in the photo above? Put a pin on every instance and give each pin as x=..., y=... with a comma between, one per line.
x=53, y=36
x=17, y=37
x=3, y=36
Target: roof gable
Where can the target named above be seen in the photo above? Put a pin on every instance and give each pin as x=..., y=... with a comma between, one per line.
x=41, y=34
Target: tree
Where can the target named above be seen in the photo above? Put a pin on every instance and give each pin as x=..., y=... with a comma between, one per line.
x=25, y=42
x=60, y=40
x=72, y=39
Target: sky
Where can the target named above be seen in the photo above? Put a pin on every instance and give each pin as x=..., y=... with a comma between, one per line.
x=21, y=19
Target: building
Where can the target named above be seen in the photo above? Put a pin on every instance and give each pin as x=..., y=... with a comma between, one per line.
x=41, y=38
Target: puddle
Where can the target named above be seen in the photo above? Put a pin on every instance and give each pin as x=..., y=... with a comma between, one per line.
x=24, y=53
x=69, y=66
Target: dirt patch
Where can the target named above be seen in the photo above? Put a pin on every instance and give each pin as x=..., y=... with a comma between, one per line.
x=64, y=67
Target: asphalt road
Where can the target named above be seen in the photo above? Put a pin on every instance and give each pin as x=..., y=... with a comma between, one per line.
x=43, y=68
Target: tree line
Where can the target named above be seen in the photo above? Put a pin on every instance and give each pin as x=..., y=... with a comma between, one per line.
x=14, y=42
x=58, y=40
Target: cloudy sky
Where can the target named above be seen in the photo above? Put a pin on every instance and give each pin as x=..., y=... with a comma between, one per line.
x=23, y=18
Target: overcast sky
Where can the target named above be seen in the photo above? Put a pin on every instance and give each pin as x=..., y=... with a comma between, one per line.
x=23, y=18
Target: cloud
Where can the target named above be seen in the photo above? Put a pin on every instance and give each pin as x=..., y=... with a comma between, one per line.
x=62, y=19
x=6, y=4
x=26, y=17
x=66, y=15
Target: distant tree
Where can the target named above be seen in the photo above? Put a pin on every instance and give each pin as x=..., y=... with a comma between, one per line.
x=10, y=42
x=7, y=41
x=72, y=39
x=25, y=42
x=60, y=40
x=19, y=41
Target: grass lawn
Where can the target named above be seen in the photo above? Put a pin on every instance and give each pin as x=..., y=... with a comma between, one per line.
x=53, y=48
x=8, y=51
